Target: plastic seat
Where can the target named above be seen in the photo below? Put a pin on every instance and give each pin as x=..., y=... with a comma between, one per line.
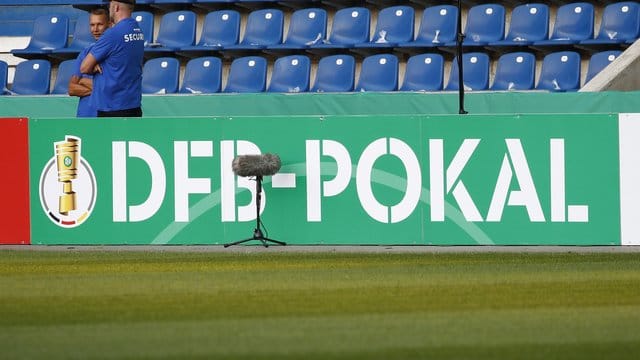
x=247, y=74
x=438, y=26
x=50, y=32
x=620, y=23
x=290, y=74
x=160, y=76
x=82, y=36
x=221, y=28
x=307, y=27
x=264, y=28
x=145, y=20
x=529, y=23
x=32, y=77
x=4, y=73
x=599, y=61
x=350, y=26
x=485, y=24
x=475, y=68
x=202, y=75
x=65, y=70
x=560, y=72
x=378, y=73
x=177, y=30
x=515, y=71
x=394, y=26
x=335, y=73
x=574, y=23
x=424, y=72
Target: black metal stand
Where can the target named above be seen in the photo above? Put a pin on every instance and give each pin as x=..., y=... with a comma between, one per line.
x=257, y=232
x=459, y=40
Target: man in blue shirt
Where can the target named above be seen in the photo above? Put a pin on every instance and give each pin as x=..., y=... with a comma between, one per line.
x=115, y=60
x=81, y=84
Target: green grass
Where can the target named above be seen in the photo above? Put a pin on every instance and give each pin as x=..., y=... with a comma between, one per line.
x=136, y=305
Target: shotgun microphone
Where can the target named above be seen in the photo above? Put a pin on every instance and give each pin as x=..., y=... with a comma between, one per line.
x=256, y=165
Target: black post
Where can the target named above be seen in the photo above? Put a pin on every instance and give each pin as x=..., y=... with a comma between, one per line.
x=459, y=40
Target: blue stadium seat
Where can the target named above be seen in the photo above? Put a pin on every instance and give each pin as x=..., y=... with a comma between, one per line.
x=290, y=74
x=65, y=70
x=529, y=23
x=438, y=26
x=378, y=73
x=264, y=27
x=335, y=73
x=307, y=27
x=485, y=24
x=50, y=32
x=82, y=37
x=424, y=72
x=515, y=71
x=350, y=26
x=4, y=73
x=221, y=28
x=599, y=61
x=202, y=75
x=247, y=75
x=160, y=76
x=177, y=30
x=574, y=23
x=475, y=70
x=145, y=20
x=394, y=26
x=560, y=72
x=620, y=23
x=32, y=77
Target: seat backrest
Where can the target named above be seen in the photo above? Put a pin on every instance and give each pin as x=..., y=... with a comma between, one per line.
x=438, y=24
x=49, y=32
x=32, y=77
x=160, y=76
x=475, y=72
x=247, y=74
x=4, y=73
x=264, y=27
x=220, y=28
x=574, y=22
x=529, y=22
x=395, y=24
x=620, y=21
x=65, y=70
x=145, y=20
x=515, y=71
x=378, y=73
x=290, y=74
x=202, y=75
x=560, y=71
x=177, y=28
x=485, y=23
x=599, y=61
x=350, y=26
x=424, y=72
x=335, y=73
x=82, y=33
x=307, y=27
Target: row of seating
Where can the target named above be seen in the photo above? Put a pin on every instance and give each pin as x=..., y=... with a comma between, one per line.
x=485, y=26
x=560, y=71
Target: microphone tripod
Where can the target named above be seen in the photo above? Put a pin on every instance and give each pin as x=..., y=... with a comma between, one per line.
x=257, y=232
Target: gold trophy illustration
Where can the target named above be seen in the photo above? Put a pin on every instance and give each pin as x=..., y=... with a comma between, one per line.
x=67, y=155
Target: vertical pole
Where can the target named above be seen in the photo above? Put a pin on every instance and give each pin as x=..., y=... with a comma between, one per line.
x=459, y=53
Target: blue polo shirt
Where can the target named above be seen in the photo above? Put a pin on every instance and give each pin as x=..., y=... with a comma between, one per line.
x=119, y=51
x=86, y=107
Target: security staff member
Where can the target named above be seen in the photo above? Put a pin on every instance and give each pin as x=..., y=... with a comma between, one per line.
x=116, y=62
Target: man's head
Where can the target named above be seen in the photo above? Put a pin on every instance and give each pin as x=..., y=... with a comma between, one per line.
x=120, y=9
x=98, y=22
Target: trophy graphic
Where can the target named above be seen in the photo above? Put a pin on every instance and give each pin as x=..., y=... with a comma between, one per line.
x=67, y=155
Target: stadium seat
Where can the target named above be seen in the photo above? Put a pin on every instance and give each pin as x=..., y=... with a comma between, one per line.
x=290, y=74
x=529, y=23
x=202, y=75
x=378, y=73
x=620, y=23
x=485, y=24
x=307, y=27
x=515, y=71
x=475, y=70
x=438, y=26
x=160, y=76
x=336, y=73
x=65, y=70
x=560, y=72
x=424, y=72
x=350, y=26
x=264, y=27
x=394, y=26
x=177, y=29
x=4, y=73
x=50, y=32
x=145, y=20
x=247, y=74
x=573, y=23
x=221, y=28
x=32, y=77
x=82, y=37
x=599, y=61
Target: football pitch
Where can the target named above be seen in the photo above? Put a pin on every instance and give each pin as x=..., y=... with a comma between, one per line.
x=270, y=305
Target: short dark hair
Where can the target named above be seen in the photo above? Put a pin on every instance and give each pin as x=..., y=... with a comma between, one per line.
x=100, y=11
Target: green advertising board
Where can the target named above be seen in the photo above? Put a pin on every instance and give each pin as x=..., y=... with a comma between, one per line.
x=386, y=180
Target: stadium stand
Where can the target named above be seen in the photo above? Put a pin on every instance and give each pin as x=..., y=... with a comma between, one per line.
x=573, y=23
x=424, y=72
x=32, y=77
x=145, y=20
x=485, y=24
x=263, y=28
x=560, y=72
x=620, y=23
x=202, y=75
x=50, y=32
x=350, y=26
x=599, y=61
x=378, y=73
x=529, y=23
x=290, y=74
x=247, y=74
x=81, y=38
x=336, y=73
x=4, y=72
x=160, y=76
x=515, y=71
x=65, y=71
x=394, y=26
x=221, y=28
x=475, y=72
x=437, y=26
x=177, y=30
x=307, y=27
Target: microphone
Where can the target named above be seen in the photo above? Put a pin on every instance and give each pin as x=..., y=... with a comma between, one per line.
x=256, y=165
